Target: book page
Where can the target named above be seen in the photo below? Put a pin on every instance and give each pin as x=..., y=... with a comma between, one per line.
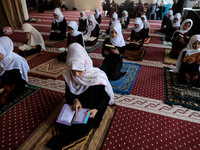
x=25, y=47
x=108, y=45
x=68, y=113
x=85, y=37
x=81, y=116
x=92, y=38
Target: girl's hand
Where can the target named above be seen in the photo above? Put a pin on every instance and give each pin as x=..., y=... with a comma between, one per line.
x=57, y=31
x=115, y=51
x=92, y=112
x=34, y=47
x=77, y=105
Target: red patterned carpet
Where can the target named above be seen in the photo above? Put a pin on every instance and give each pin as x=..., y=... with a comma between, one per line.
x=155, y=54
x=134, y=129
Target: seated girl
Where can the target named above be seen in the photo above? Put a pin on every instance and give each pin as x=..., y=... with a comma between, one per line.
x=74, y=35
x=97, y=15
x=188, y=62
x=82, y=22
x=146, y=25
x=112, y=50
x=14, y=72
x=86, y=87
x=125, y=19
x=166, y=20
x=34, y=40
x=137, y=35
x=172, y=27
x=58, y=27
x=92, y=31
x=180, y=39
x=114, y=19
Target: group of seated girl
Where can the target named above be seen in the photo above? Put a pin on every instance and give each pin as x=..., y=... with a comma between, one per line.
x=13, y=72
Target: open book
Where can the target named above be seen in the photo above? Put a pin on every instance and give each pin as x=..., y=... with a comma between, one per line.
x=136, y=42
x=192, y=58
x=87, y=38
x=68, y=117
x=25, y=47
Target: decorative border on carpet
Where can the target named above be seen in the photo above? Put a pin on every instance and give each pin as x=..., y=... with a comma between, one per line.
x=177, y=93
x=168, y=59
x=29, y=89
x=52, y=69
x=125, y=83
x=90, y=49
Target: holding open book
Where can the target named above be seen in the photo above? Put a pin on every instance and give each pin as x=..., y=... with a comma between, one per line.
x=25, y=47
x=68, y=117
x=87, y=38
x=192, y=58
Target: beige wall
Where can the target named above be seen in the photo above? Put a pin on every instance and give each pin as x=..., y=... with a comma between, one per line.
x=69, y=4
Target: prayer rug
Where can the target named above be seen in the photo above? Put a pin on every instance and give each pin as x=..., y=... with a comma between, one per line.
x=168, y=59
x=33, y=56
x=166, y=43
x=177, y=93
x=29, y=89
x=135, y=55
x=52, y=43
x=52, y=69
x=103, y=36
x=93, y=141
x=90, y=49
x=125, y=83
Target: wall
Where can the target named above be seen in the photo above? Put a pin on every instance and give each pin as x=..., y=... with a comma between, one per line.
x=189, y=3
x=87, y=4
x=69, y=4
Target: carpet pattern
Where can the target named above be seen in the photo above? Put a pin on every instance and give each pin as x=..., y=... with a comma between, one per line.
x=177, y=93
x=92, y=141
x=51, y=69
x=125, y=83
x=29, y=89
x=90, y=49
x=166, y=43
x=168, y=59
x=51, y=43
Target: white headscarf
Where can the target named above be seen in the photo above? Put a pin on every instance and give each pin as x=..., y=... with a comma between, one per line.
x=90, y=28
x=98, y=13
x=170, y=14
x=183, y=23
x=84, y=17
x=124, y=18
x=34, y=38
x=58, y=13
x=115, y=15
x=119, y=40
x=78, y=59
x=189, y=51
x=178, y=23
x=12, y=60
x=74, y=26
x=145, y=23
x=139, y=22
x=154, y=2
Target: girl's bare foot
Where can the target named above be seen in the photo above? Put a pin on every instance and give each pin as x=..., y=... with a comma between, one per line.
x=1, y=90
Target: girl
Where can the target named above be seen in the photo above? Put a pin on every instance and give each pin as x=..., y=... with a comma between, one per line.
x=137, y=35
x=92, y=30
x=166, y=21
x=82, y=22
x=113, y=55
x=125, y=19
x=172, y=27
x=74, y=35
x=58, y=27
x=179, y=39
x=14, y=71
x=34, y=39
x=86, y=86
x=188, y=66
x=97, y=16
x=146, y=25
x=113, y=20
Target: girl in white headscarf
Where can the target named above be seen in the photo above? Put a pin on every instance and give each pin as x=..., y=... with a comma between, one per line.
x=13, y=71
x=58, y=27
x=146, y=25
x=86, y=87
x=112, y=50
x=189, y=60
x=74, y=35
x=180, y=38
x=97, y=15
x=125, y=19
x=82, y=22
x=34, y=39
x=173, y=26
x=167, y=20
x=92, y=30
x=114, y=19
